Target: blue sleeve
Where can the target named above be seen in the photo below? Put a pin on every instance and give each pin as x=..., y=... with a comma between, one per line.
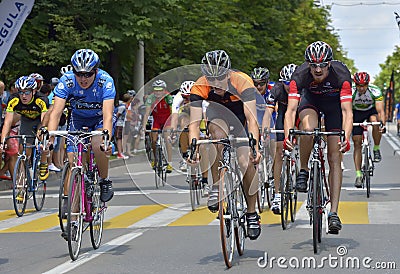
x=64, y=86
x=109, y=89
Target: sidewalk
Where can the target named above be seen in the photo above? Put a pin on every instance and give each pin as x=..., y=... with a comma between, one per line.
x=54, y=176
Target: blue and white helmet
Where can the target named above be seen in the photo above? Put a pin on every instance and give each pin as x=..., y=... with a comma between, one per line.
x=85, y=60
x=25, y=82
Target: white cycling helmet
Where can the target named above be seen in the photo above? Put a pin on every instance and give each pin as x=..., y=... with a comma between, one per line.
x=159, y=84
x=186, y=87
x=286, y=72
x=65, y=69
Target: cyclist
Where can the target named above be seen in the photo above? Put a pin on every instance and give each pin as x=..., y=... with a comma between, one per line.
x=367, y=105
x=180, y=115
x=232, y=103
x=278, y=97
x=397, y=117
x=90, y=92
x=32, y=106
x=326, y=87
x=159, y=104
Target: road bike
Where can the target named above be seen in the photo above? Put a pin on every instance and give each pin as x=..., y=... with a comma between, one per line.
x=25, y=176
x=367, y=163
x=287, y=185
x=160, y=161
x=265, y=172
x=232, y=206
x=317, y=198
x=85, y=209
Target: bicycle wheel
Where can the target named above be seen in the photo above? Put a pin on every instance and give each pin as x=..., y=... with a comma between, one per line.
x=147, y=145
x=39, y=191
x=98, y=208
x=316, y=213
x=294, y=171
x=61, y=195
x=367, y=177
x=240, y=225
x=261, y=187
x=198, y=185
x=20, y=187
x=284, y=189
x=192, y=189
x=226, y=222
x=75, y=214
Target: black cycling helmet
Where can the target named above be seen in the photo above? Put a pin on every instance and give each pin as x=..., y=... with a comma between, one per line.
x=260, y=73
x=318, y=52
x=215, y=63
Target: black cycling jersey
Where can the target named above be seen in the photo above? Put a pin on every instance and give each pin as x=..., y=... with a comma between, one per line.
x=32, y=110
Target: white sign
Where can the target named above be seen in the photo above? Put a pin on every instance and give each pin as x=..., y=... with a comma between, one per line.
x=12, y=16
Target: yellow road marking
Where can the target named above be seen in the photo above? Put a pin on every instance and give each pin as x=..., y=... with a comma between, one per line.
x=268, y=217
x=201, y=216
x=38, y=225
x=133, y=216
x=353, y=212
x=8, y=214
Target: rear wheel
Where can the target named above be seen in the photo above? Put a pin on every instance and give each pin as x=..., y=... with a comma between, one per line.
x=63, y=195
x=226, y=223
x=75, y=214
x=97, y=207
x=20, y=187
x=39, y=193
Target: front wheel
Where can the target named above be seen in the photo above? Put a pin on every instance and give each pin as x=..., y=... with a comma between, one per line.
x=98, y=208
x=284, y=189
x=20, y=187
x=367, y=177
x=226, y=222
x=316, y=210
x=39, y=193
x=75, y=214
x=63, y=195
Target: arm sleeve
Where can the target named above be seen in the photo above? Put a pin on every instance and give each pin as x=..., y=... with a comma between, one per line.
x=346, y=92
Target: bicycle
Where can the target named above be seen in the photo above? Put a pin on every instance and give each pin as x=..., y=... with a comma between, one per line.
x=85, y=209
x=287, y=185
x=232, y=201
x=367, y=163
x=25, y=176
x=265, y=172
x=160, y=161
x=317, y=199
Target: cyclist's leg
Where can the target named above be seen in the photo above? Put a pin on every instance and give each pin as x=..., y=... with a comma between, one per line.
x=277, y=167
x=309, y=121
x=218, y=128
x=376, y=135
x=358, y=117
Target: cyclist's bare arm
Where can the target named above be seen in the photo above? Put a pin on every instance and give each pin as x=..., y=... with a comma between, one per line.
x=380, y=108
x=58, y=108
x=266, y=122
x=146, y=115
x=196, y=114
x=290, y=115
x=347, y=114
x=108, y=110
x=7, y=125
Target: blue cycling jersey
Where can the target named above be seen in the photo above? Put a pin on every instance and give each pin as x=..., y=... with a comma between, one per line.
x=86, y=103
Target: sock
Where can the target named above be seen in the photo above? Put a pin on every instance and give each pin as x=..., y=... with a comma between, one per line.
x=376, y=147
x=358, y=173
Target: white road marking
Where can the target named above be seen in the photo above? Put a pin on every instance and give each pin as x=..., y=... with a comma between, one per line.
x=90, y=255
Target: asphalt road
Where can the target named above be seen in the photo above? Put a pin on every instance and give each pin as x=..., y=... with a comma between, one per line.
x=154, y=231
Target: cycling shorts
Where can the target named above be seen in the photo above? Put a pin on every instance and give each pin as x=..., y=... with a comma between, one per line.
x=329, y=105
x=360, y=116
x=160, y=122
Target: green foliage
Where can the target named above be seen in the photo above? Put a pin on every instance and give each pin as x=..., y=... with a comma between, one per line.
x=175, y=33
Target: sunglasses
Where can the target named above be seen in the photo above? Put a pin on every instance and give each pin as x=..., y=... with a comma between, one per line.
x=84, y=74
x=261, y=83
x=26, y=92
x=361, y=85
x=286, y=82
x=217, y=78
x=321, y=65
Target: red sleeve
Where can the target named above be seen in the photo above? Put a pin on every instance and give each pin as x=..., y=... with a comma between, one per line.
x=293, y=92
x=345, y=92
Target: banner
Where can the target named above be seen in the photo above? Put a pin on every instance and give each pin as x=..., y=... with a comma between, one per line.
x=389, y=99
x=12, y=17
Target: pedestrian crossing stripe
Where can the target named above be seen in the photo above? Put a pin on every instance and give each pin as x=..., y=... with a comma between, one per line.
x=149, y=216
